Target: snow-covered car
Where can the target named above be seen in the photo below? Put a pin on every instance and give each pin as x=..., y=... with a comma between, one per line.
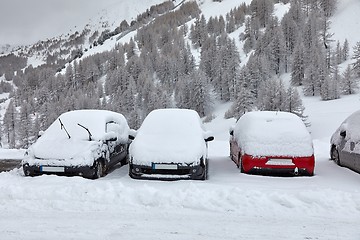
x=82, y=142
x=170, y=144
x=345, y=143
x=269, y=142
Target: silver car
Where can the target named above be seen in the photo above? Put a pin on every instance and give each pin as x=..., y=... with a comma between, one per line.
x=345, y=143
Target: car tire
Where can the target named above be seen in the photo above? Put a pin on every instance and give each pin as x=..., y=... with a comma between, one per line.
x=133, y=175
x=206, y=175
x=99, y=169
x=335, y=155
x=27, y=173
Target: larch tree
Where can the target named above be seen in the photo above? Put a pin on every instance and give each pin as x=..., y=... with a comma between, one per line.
x=10, y=123
x=298, y=67
x=294, y=103
x=349, y=83
x=356, y=58
x=345, y=50
x=25, y=126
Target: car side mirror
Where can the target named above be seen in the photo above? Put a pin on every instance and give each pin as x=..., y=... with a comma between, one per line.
x=132, y=134
x=209, y=139
x=343, y=133
x=110, y=137
x=40, y=133
x=231, y=130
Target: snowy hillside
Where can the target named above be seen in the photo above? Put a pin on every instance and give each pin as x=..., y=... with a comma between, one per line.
x=52, y=18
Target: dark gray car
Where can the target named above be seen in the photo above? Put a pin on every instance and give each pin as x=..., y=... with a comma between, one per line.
x=345, y=143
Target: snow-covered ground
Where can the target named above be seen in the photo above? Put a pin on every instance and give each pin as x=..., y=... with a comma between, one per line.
x=229, y=205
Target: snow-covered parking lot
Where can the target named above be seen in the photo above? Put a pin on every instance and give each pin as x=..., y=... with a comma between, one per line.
x=229, y=205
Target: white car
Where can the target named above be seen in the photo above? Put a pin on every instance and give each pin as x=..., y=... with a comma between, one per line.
x=81, y=142
x=170, y=144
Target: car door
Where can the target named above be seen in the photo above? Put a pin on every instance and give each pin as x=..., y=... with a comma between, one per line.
x=346, y=153
x=234, y=150
x=117, y=150
x=356, y=154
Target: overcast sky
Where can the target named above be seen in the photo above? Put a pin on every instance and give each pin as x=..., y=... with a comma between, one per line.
x=27, y=21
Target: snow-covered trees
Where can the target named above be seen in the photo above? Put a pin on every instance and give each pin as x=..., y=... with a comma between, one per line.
x=356, y=57
x=349, y=83
x=182, y=59
x=10, y=124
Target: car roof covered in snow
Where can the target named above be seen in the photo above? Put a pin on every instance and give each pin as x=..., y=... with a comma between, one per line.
x=273, y=133
x=165, y=121
x=94, y=120
x=169, y=135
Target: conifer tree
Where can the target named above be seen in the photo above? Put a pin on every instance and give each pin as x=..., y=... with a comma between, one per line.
x=349, y=83
x=25, y=126
x=298, y=68
x=345, y=51
x=356, y=57
x=294, y=103
x=10, y=122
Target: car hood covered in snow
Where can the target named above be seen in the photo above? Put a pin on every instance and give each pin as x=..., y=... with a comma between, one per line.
x=69, y=143
x=169, y=136
x=352, y=127
x=267, y=133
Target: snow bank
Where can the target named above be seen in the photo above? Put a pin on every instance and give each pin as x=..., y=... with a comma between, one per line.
x=11, y=154
x=169, y=135
x=273, y=134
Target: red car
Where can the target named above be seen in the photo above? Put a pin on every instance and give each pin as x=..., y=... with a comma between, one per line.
x=267, y=142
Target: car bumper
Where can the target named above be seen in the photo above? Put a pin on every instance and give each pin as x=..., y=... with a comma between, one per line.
x=280, y=171
x=263, y=165
x=176, y=173
x=36, y=170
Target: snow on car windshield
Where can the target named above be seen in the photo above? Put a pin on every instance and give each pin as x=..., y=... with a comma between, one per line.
x=269, y=133
x=169, y=135
x=94, y=120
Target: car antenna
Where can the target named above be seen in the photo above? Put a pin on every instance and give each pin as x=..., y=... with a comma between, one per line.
x=86, y=130
x=62, y=126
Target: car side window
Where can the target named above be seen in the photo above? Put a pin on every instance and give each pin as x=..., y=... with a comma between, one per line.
x=113, y=127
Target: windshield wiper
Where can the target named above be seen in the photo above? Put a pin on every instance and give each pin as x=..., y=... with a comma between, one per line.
x=62, y=126
x=86, y=130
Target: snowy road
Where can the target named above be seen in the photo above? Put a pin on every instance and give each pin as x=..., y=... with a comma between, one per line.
x=229, y=205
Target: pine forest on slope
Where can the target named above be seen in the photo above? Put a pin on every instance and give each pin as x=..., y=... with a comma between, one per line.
x=176, y=57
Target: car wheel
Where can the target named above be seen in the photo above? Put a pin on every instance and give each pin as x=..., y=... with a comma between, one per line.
x=133, y=175
x=206, y=174
x=27, y=172
x=99, y=169
x=335, y=155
